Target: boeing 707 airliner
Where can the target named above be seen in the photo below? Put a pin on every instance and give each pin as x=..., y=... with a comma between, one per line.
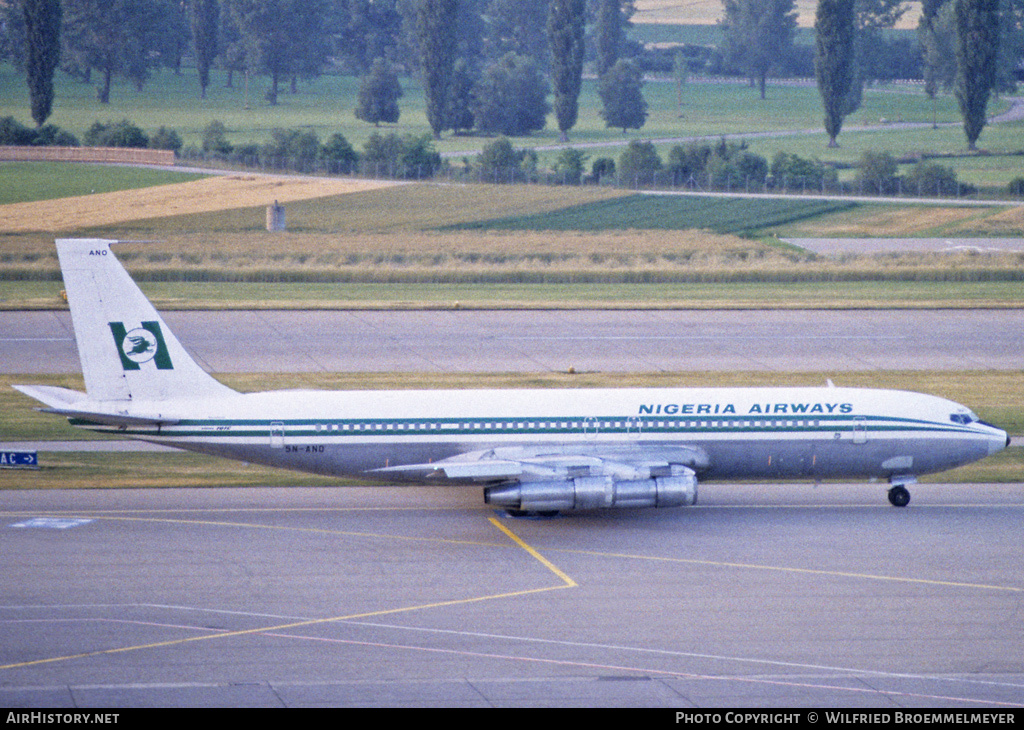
x=536, y=451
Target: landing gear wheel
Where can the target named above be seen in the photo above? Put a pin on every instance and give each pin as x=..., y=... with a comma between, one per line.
x=899, y=497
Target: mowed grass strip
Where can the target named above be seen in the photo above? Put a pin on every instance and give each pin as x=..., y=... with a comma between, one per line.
x=390, y=295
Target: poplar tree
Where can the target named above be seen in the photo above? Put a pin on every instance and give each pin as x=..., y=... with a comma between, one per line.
x=205, y=22
x=934, y=55
x=834, y=60
x=977, y=51
x=436, y=31
x=42, y=47
x=565, y=37
x=609, y=34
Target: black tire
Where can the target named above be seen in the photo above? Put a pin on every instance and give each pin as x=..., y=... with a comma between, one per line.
x=899, y=497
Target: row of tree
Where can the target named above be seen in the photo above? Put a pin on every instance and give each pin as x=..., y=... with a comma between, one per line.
x=701, y=165
x=971, y=47
x=455, y=45
x=976, y=44
x=730, y=166
x=492, y=64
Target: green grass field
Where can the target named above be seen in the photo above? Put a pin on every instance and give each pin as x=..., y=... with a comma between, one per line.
x=325, y=106
x=22, y=182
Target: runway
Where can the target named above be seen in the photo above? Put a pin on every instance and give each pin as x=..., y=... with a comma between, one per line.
x=548, y=341
x=789, y=596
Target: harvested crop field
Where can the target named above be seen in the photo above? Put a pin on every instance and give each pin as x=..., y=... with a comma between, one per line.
x=222, y=192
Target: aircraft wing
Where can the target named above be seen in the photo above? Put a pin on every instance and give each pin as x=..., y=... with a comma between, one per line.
x=74, y=404
x=556, y=462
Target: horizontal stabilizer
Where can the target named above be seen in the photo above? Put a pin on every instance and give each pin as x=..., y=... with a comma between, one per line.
x=111, y=419
x=75, y=404
x=53, y=396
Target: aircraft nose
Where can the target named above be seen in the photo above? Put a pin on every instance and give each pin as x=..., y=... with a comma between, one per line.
x=998, y=442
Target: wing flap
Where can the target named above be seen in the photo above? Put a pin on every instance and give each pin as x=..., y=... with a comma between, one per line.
x=563, y=461
x=473, y=470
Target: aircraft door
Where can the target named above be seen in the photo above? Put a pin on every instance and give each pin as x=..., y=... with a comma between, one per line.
x=277, y=435
x=860, y=430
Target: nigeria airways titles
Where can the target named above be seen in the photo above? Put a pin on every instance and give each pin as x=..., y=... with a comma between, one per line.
x=761, y=409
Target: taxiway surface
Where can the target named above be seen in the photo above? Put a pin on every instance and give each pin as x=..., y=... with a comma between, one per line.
x=544, y=341
x=785, y=596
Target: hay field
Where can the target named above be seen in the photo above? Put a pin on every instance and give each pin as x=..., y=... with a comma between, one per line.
x=224, y=192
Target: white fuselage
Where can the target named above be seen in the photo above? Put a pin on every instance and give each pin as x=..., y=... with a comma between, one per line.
x=719, y=432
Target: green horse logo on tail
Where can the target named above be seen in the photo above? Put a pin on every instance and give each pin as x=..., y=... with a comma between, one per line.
x=140, y=345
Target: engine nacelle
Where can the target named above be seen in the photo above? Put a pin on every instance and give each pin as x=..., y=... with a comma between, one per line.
x=596, y=493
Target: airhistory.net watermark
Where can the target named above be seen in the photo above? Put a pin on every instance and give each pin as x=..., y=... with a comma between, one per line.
x=62, y=718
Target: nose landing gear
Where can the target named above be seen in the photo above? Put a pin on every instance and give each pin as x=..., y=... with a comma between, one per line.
x=899, y=496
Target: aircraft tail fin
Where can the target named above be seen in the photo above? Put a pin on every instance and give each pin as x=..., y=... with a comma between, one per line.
x=127, y=351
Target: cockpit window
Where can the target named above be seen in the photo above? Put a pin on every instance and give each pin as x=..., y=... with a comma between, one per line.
x=964, y=418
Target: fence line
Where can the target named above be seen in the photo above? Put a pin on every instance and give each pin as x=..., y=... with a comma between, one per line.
x=665, y=179
x=661, y=180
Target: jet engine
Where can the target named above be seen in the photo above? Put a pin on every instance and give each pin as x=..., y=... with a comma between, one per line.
x=595, y=493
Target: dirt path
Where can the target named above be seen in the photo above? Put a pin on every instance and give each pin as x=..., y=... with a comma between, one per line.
x=1014, y=114
x=200, y=196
